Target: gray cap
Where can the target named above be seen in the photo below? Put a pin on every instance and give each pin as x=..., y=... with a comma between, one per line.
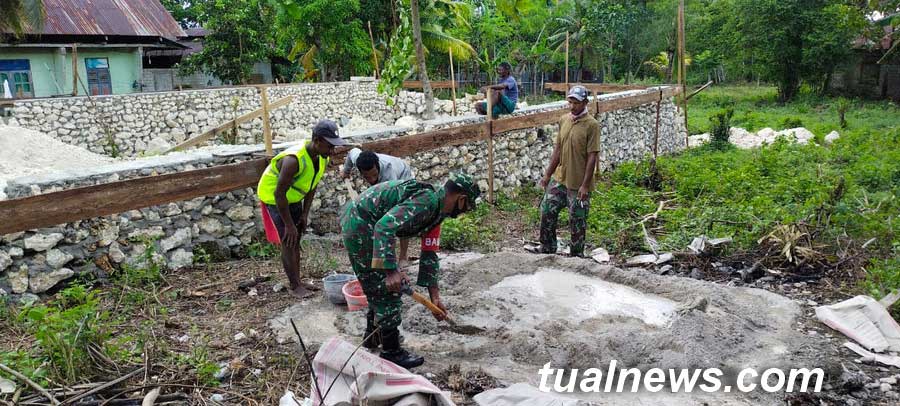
x=328, y=130
x=577, y=92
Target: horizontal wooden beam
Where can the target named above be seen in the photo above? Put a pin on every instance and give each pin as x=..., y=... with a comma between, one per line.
x=435, y=84
x=66, y=206
x=50, y=209
x=594, y=87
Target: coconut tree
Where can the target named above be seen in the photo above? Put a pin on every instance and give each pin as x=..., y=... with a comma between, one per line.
x=420, y=59
x=21, y=16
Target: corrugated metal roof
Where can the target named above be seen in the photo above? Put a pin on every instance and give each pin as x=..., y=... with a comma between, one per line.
x=110, y=17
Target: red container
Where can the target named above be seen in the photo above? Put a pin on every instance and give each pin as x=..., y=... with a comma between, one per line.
x=356, y=299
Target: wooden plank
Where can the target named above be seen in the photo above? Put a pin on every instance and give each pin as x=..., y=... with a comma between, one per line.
x=552, y=117
x=374, y=53
x=490, y=140
x=567, y=61
x=412, y=144
x=594, y=87
x=452, y=83
x=229, y=124
x=74, y=69
x=66, y=206
x=417, y=84
x=50, y=209
x=267, y=127
x=702, y=88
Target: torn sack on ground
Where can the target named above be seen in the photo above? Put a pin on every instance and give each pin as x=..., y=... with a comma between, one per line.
x=368, y=377
x=865, y=321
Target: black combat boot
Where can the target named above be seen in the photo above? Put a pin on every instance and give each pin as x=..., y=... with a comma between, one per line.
x=391, y=351
x=371, y=341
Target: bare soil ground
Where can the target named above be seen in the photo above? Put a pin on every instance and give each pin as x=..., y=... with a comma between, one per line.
x=215, y=328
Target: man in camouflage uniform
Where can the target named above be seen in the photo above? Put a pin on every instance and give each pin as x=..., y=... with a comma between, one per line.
x=371, y=226
x=572, y=167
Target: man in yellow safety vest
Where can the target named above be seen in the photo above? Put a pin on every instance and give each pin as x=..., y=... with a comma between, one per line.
x=287, y=189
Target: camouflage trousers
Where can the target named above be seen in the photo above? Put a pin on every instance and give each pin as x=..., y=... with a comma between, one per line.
x=555, y=199
x=385, y=304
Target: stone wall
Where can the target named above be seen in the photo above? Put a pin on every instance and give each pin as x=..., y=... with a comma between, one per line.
x=137, y=122
x=35, y=261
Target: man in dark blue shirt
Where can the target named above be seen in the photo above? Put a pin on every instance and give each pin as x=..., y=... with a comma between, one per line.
x=502, y=101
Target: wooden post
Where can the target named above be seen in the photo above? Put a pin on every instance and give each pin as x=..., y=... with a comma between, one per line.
x=682, y=78
x=374, y=54
x=267, y=129
x=452, y=82
x=490, y=141
x=74, y=69
x=567, y=61
x=656, y=134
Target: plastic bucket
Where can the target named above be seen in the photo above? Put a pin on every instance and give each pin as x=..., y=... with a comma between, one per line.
x=334, y=284
x=354, y=295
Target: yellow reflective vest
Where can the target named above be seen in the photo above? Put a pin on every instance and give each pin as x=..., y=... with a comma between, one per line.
x=306, y=178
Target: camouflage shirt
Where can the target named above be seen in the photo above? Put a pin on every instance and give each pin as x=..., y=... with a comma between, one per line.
x=399, y=209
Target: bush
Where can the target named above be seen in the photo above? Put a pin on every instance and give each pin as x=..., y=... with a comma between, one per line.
x=468, y=231
x=720, y=128
x=66, y=331
x=791, y=122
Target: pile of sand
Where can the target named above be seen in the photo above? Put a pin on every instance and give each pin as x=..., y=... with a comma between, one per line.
x=27, y=152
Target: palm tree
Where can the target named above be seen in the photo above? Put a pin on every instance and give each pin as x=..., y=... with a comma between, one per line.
x=439, y=15
x=576, y=25
x=420, y=58
x=21, y=16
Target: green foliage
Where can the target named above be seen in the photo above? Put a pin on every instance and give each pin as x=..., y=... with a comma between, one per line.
x=21, y=16
x=791, y=122
x=317, y=262
x=884, y=274
x=745, y=194
x=262, y=250
x=65, y=330
x=720, y=129
x=842, y=106
x=186, y=12
x=240, y=34
x=398, y=67
x=203, y=367
x=468, y=231
x=784, y=41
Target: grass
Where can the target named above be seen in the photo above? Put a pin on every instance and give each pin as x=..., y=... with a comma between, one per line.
x=841, y=195
x=756, y=108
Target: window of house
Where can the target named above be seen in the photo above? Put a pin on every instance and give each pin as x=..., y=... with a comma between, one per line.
x=99, y=82
x=17, y=73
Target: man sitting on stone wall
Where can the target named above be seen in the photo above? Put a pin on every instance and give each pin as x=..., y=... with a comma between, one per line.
x=505, y=94
x=287, y=189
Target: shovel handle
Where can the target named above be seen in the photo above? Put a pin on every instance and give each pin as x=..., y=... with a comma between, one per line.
x=431, y=306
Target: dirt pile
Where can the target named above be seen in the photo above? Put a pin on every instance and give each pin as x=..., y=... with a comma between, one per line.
x=26, y=152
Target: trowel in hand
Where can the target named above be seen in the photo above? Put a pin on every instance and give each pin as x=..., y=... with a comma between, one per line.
x=453, y=325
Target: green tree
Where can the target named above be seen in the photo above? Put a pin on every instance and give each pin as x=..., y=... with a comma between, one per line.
x=240, y=34
x=21, y=16
x=792, y=40
x=186, y=12
x=326, y=36
x=420, y=59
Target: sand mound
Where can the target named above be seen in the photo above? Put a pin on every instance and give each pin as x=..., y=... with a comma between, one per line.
x=27, y=152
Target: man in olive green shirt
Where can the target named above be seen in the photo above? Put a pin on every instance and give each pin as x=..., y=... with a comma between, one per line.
x=572, y=169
